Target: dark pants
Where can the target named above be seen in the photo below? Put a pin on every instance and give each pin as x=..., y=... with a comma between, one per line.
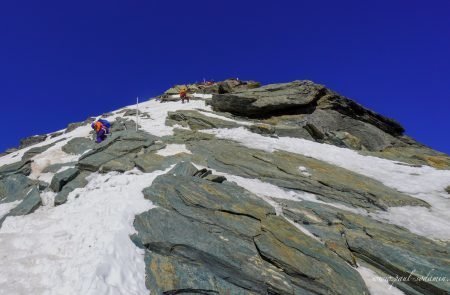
x=184, y=97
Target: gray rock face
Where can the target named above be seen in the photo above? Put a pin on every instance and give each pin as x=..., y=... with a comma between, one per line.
x=21, y=167
x=197, y=121
x=62, y=178
x=123, y=125
x=116, y=152
x=183, y=169
x=354, y=110
x=269, y=100
x=78, y=145
x=15, y=187
x=233, y=243
x=328, y=182
x=307, y=110
x=387, y=247
x=78, y=182
x=29, y=141
x=30, y=202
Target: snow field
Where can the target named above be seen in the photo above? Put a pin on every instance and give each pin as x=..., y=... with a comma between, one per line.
x=81, y=247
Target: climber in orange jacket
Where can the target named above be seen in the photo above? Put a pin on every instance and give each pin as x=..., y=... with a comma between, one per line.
x=183, y=94
x=101, y=128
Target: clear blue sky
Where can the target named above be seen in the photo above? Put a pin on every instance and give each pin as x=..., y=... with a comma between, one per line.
x=62, y=61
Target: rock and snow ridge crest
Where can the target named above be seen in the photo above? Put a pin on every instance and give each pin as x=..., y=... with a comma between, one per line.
x=280, y=174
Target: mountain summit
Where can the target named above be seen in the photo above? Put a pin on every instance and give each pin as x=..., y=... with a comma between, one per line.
x=285, y=188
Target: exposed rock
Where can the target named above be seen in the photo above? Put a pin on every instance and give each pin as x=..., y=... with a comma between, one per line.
x=56, y=134
x=15, y=188
x=119, y=149
x=73, y=126
x=121, y=124
x=8, y=151
x=345, y=139
x=182, y=136
x=233, y=239
x=20, y=167
x=149, y=161
x=331, y=123
x=263, y=129
x=447, y=189
x=415, y=154
x=11, y=150
x=387, y=247
x=62, y=178
x=183, y=169
x=78, y=145
x=307, y=110
x=269, y=100
x=356, y=111
x=215, y=178
x=30, y=203
x=202, y=173
x=78, y=182
x=28, y=141
x=328, y=182
x=197, y=121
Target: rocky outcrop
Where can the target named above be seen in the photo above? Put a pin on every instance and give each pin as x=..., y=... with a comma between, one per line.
x=386, y=247
x=62, y=178
x=447, y=189
x=29, y=204
x=29, y=141
x=78, y=146
x=78, y=182
x=270, y=100
x=329, y=183
x=125, y=150
x=20, y=167
x=311, y=111
x=234, y=240
x=197, y=121
x=226, y=86
x=18, y=187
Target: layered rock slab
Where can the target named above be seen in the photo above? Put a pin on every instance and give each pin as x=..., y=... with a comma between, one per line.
x=222, y=235
x=328, y=182
x=392, y=249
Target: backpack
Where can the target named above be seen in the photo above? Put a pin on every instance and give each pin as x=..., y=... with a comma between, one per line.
x=105, y=123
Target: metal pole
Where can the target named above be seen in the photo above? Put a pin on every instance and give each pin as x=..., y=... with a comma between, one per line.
x=137, y=112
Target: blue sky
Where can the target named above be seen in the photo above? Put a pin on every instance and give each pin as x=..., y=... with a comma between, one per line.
x=62, y=61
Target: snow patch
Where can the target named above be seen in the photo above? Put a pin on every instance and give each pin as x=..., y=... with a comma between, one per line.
x=173, y=149
x=81, y=247
x=212, y=115
x=6, y=207
x=375, y=284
